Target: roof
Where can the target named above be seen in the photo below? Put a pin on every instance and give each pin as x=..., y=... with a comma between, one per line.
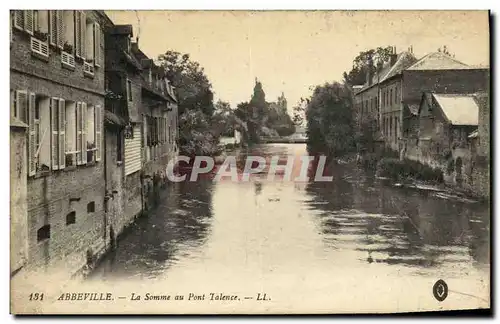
x=437, y=61
x=112, y=119
x=16, y=122
x=459, y=109
x=474, y=134
x=132, y=60
x=403, y=60
x=122, y=29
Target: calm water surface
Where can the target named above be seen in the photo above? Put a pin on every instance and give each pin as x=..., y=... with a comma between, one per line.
x=352, y=244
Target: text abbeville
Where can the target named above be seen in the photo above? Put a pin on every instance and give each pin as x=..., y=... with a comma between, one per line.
x=90, y=296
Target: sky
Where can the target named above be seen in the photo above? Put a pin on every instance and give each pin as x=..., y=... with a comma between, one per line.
x=292, y=51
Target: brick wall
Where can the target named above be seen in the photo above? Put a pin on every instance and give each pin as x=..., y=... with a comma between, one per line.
x=484, y=124
x=49, y=195
x=115, y=185
x=132, y=195
x=18, y=200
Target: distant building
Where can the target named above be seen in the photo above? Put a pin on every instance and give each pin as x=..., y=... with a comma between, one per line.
x=392, y=96
x=449, y=127
x=158, y=112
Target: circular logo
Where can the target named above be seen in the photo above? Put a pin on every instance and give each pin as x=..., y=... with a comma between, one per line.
x=440, y=290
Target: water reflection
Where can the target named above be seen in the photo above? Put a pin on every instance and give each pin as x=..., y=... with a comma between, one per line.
x=397, y=226
x=179, y=225
x=259, y=225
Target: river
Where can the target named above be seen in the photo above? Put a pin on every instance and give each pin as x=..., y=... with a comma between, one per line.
x=349, y=245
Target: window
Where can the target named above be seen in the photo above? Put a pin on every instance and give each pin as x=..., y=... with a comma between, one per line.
x=390, y=97
x=69, y=31
x=90, y=132
x=41, y=23
x=91, y=207
x=129, y=90
x=43, y=233
x=89, y=40
x=71, y=218
x=34, y=22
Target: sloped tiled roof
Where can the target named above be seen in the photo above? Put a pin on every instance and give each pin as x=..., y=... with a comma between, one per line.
x=437, y=61
x=403, y=60
x=112, y=119
x=16, y=122
x=474, y=134
x=459, y=109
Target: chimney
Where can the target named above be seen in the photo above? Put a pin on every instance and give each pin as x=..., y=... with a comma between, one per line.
x=369, y=69
x=393, y=57
x=135, y=46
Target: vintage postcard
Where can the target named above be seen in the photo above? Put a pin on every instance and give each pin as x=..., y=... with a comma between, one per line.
x=249, y=162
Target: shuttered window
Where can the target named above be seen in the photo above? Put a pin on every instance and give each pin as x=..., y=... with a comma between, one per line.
x=84, y=132
x=97, y=44
x=79, y=126
x=54, y=126
x=56, y=30
x=98, y=132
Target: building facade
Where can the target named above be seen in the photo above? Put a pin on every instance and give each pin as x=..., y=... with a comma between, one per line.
x=57, y=89
x=159, y=125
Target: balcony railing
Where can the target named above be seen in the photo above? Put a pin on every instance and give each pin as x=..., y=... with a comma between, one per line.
x=88, y=69
x=40, y=48
x=68, y=59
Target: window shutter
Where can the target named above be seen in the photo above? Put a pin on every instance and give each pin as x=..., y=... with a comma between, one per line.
x=19, y=19
x=62, y=134
x=60, y=28
x=30, y=107
x=22, y=105
x=10, y=27
x=98, y=132
x=84, y=132
x=79, y=133
x=83, y=22
x=75, y=33
x=78, y=34
x=28, y=21
x=54, y=126
x=53, y=27
x=97, y=44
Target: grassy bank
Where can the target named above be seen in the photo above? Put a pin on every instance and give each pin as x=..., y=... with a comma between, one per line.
x=408, y=170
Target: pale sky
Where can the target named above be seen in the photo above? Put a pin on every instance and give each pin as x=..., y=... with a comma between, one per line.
x=291, y=51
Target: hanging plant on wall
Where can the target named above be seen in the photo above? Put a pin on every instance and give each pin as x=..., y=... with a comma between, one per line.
x=41, y=35
x=68, y=48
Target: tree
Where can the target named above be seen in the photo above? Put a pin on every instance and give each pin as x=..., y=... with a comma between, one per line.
x=193, y=89
x=363, y=63
x=223, y=119
x=330, y=121
x=299, y=111
x=195, y=102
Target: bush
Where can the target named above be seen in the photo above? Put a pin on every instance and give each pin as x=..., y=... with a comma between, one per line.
x=408, y=169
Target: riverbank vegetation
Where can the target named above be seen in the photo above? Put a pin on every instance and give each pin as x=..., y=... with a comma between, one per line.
x=201, y=122
x=265, y=118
